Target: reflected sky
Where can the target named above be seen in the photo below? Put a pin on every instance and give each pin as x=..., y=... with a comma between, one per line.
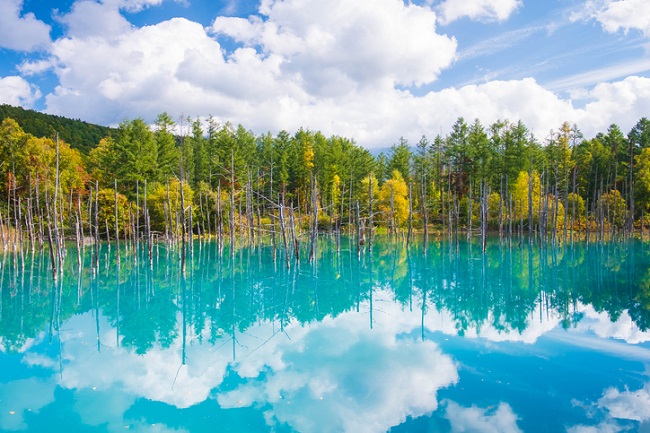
x=516, y=339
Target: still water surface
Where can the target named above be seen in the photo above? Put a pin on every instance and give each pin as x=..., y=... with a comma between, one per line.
x=517, y=339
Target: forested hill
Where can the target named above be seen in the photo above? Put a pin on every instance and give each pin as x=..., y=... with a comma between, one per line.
x=80, y=135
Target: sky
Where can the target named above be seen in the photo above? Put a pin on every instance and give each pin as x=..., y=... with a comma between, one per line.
x=369, y=70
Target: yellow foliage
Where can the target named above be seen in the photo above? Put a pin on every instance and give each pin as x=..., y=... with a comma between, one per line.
x=395, y=191
x=159, y=197
x=521, y=192
x=335, y=190
x=364, y=193
x=614, y=208
x=309, y=157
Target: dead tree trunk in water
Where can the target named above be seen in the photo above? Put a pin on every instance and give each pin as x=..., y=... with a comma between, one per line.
x=294, y=238
x=231, y=223
x=409, y=231
x=57, y=183
x=183, y=230
x=370, y=215
x=219, y=220
x=284, y=234
x=96, y=225
x=425, y=215
x=117, y=229
x=314, y=229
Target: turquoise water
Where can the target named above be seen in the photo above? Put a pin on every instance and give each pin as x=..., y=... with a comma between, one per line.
x=517, y=339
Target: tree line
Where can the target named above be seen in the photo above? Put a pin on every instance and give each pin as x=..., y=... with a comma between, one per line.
x=81, y=135
x=178, y=178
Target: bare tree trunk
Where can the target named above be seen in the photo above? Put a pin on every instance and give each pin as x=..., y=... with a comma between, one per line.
x=573, y=206
x=96, y=225
x=425, y=215
x=147, y=226
x=219, y=220
x=183, y=228
x=294, y=238
x=470, y=210
x=314, y=230
x=168, y=217
x=358, y=230
x=284, y=234
x=232, y=204
x=57, y=183
x=530, y=207
x=2, y=232
x=410, y=224
x=370, y=215
x=117, y=226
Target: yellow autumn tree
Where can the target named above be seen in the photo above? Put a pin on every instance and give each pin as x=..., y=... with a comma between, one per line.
x=614, y=208
x=521, y=193
x=393, y=198
x=164, y=202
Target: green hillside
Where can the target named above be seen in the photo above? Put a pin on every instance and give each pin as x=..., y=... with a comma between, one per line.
x=80, y=135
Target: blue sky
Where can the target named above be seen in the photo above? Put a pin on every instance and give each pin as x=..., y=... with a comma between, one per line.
x=371, y=70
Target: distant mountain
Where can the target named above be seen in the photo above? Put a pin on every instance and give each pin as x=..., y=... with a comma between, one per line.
x=80, y=135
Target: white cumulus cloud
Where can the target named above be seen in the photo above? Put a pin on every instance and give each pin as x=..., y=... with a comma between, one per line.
x=482, y=10
x=21, y=33
x=349, y=386
x=89, y=18
x=617, y=15
x=15, y=90
x=633, y=405
x=480, y=420
x=344, y=45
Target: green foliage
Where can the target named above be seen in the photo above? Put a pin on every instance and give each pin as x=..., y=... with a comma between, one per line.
x=135, y=153
x=167, y=156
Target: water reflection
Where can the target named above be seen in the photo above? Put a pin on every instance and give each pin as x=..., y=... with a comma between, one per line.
x=346, y=344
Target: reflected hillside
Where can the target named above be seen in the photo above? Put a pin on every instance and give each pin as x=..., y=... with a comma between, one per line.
x=506, y=293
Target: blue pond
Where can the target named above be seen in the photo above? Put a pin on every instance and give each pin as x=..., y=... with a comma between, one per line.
x=523, y=338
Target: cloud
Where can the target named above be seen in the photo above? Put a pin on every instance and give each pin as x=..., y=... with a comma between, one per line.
x=89, y=18
x=345, y=68
x=481, y=10
x=606, y=426
x=600, y=323
x=479, y=420
x=157, y=375
x=342, y=376
x=616, y=15
x=133, y=74
x=15, y=90
x=21, y=33
x=339, y=372
x=134, y=5
x=622, y=102
x=620, y=409
x=350, y=44
x=632, y=405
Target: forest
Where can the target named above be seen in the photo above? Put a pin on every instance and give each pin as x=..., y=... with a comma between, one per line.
x=185, y=178
x=80, y=135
